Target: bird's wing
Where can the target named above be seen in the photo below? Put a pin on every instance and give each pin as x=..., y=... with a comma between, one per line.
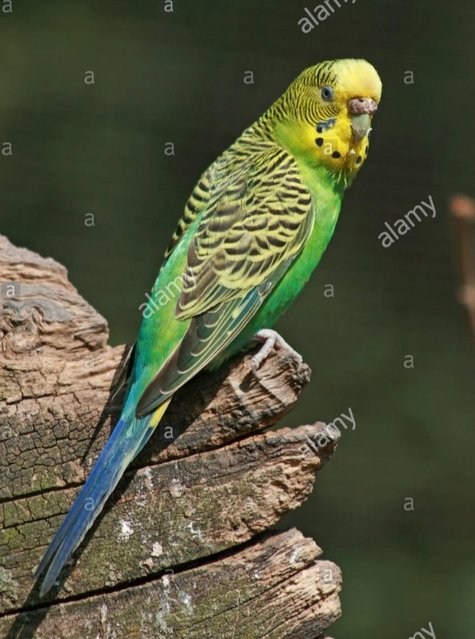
x=249, y=234
x=123, y=371
x=208, y=186
x=197, y=201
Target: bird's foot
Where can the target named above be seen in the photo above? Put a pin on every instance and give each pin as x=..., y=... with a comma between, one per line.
x=270, y=340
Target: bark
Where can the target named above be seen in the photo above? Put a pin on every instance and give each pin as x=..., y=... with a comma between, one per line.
x=184, y=546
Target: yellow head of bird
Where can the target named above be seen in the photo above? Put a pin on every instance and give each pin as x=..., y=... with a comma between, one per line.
x=326, y=114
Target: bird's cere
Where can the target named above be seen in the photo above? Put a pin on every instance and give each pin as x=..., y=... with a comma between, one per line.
x=357, y=106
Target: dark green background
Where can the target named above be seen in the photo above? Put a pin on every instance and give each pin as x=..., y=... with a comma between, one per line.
x=179, y=77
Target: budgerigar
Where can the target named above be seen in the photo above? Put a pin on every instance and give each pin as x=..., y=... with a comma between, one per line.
x=253, y=230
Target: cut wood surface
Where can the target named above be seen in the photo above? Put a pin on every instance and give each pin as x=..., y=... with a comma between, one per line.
x=183, y=548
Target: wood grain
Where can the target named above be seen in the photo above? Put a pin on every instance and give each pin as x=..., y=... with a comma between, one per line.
x=181, y=549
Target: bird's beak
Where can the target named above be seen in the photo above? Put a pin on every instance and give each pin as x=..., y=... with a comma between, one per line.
x=361, y=110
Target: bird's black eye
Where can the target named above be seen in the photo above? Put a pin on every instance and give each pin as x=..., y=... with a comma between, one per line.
x=327, y=93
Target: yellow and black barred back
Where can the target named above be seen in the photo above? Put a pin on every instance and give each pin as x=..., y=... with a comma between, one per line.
x=263, y=220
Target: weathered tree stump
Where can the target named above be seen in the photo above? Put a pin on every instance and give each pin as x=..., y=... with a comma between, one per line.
x=183, y=548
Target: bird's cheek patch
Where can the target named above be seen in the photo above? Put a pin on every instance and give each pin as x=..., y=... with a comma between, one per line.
x=325, y=125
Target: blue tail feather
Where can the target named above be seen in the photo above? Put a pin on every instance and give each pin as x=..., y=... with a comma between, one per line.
x=127, y=439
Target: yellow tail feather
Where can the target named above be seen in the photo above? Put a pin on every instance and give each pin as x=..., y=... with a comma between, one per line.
x=159, y=412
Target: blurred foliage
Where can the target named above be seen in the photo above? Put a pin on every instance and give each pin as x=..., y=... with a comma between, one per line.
x=178, y=77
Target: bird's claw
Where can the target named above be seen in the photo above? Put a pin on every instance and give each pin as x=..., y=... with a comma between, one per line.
x=270, y=340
